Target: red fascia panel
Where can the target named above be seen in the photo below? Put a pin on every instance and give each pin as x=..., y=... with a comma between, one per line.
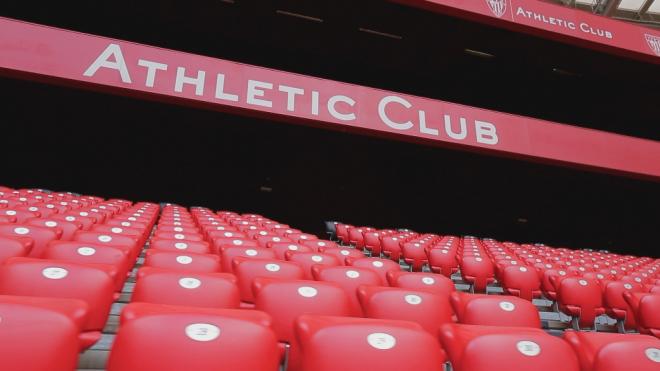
x=552, y=21
x=86, y=61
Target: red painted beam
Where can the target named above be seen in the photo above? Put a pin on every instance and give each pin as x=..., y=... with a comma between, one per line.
x=85, y=61
x=552, y=21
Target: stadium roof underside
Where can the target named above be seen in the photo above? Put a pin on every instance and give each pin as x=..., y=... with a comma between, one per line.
x=645, y=12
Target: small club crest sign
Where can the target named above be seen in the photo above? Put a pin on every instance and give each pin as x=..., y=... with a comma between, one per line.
x=654, y=43
x=498, y=7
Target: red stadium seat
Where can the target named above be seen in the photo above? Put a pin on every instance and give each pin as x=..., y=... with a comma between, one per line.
x=164, y=286
x=494, y=310
x=433, y=283
x=41, y=210
x=20, y=215
x=197, y=247
x=549, y=279
x=85, y=222
x=349, y=279
x=391, y=246
x=77, y=311
x=229, y=253
x=380, y=266
x=599, y=351
x=14, y=247
x=40, y=235
x=581, y=299
x=96, y=217
x=521, y=281
x=285, y=300
x=125, y=223
x=68, y=228
x=477, y=271
x=442, y=260
x=156, y=337
x=182, y=261
x=220, y=243
x=139, y=235
x=342, y=253
x=7, y=219
x=179, y=236
x=646, y=307
x=123, y=242
x=246, y=270
x=358, y=344
x=615, y=304
x=82, y=253
x=38, y=277
x=479, y=348
x=342, y=232
x=226, y=234
x=355, y=237
x=267, y=240
x=280, y=248
x=301, y=237
x=308, y=259
x=429, y=310
x=36, y=336
x=414, y=254
x=372, y=243
x=163, y=227
x=256, y=233
x=320, y=244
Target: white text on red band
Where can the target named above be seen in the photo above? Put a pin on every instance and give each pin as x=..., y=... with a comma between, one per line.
x=562, y=23
x=340, y=107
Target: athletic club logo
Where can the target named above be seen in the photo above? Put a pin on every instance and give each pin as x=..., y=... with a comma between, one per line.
x=654, y=43
x=498, y=7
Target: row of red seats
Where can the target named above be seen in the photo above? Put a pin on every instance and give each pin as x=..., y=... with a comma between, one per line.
x=288, y=297
x=585, y=284
x=280, y=287
x=287, y=294
x=64, y=269
x=160, y=337
x=295, y=310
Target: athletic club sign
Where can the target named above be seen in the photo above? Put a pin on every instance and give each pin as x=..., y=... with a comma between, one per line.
x=545, y=19
x=394, y=111
x=58, y=56
x=559, y=22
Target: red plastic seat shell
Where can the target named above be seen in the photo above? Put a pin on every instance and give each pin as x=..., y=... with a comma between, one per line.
x=182, y=261
x=164, y=286
x=598, y=351
x=428, y=310
x=357, y=344
x=494, y=310
x=478, y=348
x=434, y=283
x=156, y=337
x=14, y=247
x=349, y=278
x=285, y=300
x=41, y=236
x=92, y=284
x=37, y=338
x=247, y=270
